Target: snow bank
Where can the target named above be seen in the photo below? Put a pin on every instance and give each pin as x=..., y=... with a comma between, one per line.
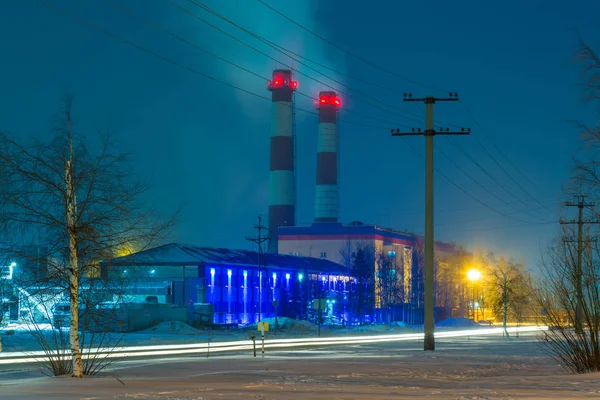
x=288, y=324
x=372, y=328
x=171, y=328
x=458, y=323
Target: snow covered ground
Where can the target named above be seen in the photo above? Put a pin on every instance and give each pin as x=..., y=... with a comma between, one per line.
x=478, y=368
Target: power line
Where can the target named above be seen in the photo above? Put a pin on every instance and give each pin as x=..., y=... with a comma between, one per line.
x=465, y=192
x=504, y=169
x=473, y=179
x=349, y=52
x=462, y=150
x=145, y=50
x=496, y=147
x=278, y=48
x=194, y=45
x=412, y=81
x=378, y=86
x=196, y=72
x=453, y=210
x=182, y=66
x=286, y=52
x=462, y=221
x=505, y=227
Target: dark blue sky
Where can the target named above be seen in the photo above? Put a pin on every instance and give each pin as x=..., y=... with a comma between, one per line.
x=205, y=145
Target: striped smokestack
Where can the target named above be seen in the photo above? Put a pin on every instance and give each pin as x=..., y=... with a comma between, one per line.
x=282, y=182
x=327, y=203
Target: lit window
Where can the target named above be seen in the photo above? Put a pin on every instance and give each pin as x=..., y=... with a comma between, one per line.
x=300, y=277
x=391, y=254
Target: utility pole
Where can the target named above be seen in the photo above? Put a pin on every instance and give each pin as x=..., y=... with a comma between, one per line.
x=259, y=240
x=581, y=204
x=429, y=133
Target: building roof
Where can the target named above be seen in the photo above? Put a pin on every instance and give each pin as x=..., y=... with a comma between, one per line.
x=338, y=231
x=177, y=254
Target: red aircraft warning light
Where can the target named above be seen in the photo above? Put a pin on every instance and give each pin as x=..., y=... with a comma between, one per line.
x=326, y=98
x=282, y=79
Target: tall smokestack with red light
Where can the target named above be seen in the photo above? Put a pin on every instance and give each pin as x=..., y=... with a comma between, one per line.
x=282, y=180
x=327, y=199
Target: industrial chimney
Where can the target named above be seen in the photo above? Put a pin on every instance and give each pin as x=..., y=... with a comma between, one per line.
x=282, y=181
x=327, y=203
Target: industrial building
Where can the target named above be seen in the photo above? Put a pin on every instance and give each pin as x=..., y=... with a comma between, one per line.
x=401, y=252
x=240, y=286
x=302, y=263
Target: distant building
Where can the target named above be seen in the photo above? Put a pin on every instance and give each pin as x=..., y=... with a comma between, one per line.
x=401, y=250
x=331, y=240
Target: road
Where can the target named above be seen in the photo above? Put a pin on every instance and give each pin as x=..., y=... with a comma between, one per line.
x=478, y=368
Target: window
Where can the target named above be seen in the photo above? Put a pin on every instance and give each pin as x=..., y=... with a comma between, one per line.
x=294, y=253
x=391, y=254
x=323, y=254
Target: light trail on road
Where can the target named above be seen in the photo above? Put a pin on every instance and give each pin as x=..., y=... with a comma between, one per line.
x=244, y=345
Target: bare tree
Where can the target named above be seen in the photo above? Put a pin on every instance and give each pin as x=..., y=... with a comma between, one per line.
x=362, y=270
x=587, y=171
x=576, y=350
x=389, y=284
x=80, y=201
x=508, y=288
x=569, y=292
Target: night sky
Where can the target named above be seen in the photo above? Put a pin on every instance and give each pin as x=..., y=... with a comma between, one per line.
x=204, y=145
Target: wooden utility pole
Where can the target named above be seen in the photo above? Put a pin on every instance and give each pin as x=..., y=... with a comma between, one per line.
x=429, y=133
x=581, y=204
x=259, y=240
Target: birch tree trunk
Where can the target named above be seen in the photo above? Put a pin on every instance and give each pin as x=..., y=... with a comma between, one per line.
x=73, y=260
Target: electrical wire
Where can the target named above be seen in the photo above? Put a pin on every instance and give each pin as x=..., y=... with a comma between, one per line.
x=409, y=116
x=150, y=52
x=485, y=171
x=451, y=160
x=463, y=221
x=454, y=210
x=177, y=64
x=496, y=147
x=412, y=81
x=482, y=169
x=505, y=227
x=349, y=52
x=196, y=46
x=467, y=193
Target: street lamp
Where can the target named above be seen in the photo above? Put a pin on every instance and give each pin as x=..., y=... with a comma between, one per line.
x=473, y=275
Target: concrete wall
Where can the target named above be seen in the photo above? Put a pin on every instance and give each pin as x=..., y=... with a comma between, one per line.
x=131, y=317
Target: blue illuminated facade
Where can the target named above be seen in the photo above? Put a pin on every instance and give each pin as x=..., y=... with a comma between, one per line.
x=231, y=280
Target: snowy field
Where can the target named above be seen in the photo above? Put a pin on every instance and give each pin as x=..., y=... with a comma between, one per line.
x=478, y=368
